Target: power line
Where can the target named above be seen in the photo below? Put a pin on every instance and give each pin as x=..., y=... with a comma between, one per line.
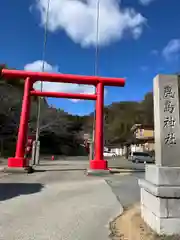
x=96, y=66
x=43, y=68
x=96, y=63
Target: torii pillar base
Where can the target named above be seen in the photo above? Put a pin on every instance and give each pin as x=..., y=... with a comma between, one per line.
x=18, y=165
x=17, y=162
x=98, y=168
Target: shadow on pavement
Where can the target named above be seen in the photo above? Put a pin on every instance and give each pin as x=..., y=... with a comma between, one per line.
x=60, y=170
x=53, y=164
x=114, y=171
x=11, y=190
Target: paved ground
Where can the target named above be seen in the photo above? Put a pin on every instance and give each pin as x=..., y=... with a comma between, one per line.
x=119, y=162
x=60, y=202
x=126, y=188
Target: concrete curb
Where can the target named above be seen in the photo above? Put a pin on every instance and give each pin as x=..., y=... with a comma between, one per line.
x=2, y=168
x=91, y=172
x=27, y=170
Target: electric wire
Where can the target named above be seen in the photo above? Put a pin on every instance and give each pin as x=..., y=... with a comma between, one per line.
x=43, y=68
x=96, y=62
x=41, y=83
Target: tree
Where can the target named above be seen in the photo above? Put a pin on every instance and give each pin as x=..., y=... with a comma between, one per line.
x=148, y=109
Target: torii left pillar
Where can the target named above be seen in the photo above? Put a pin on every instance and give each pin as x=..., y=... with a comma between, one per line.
x=19, y=161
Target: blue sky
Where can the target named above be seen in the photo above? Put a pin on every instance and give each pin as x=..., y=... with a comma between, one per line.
x=137, y=39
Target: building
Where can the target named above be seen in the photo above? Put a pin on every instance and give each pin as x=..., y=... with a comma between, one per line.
x=144, y=137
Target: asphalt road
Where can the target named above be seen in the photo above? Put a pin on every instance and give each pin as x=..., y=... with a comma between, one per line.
x=125, y=187
x=118, y=162
x=61, y=202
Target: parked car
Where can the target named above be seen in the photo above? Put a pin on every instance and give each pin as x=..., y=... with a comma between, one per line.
x=141, y=157
x=109, y=154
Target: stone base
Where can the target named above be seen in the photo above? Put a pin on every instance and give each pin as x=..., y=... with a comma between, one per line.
x=160, y=203
x=27, y=170
x=162, y=226
x=98, y=164
x=163, y=175
x=17, y=162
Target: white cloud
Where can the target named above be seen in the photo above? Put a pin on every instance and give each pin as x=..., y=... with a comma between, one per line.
x=172, y=50
x=57, y=87
x=38, y=65
x=146, y=2
x=78, y=19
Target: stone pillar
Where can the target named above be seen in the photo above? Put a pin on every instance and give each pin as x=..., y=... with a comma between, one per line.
x=160, y=190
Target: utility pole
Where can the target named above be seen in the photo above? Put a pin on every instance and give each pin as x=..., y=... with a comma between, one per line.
x=91, y=153
x=96, y=72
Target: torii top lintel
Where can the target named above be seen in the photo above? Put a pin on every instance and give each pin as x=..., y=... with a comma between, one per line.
x=65, y=78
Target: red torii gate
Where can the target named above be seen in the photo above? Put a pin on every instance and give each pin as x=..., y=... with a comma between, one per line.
x=98, y=163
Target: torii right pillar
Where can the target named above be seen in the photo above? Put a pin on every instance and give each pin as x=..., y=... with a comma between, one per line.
x=98, y=164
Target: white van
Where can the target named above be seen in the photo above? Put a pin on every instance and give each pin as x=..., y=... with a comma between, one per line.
x=141, y=157
x=109, y=154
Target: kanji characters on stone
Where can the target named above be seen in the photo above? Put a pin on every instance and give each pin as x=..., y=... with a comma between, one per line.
x=170, y=139
x=169, y=122
x=168, y=92
x=168, y=106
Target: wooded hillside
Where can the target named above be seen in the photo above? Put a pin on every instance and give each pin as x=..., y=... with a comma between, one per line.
x=121, y=116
